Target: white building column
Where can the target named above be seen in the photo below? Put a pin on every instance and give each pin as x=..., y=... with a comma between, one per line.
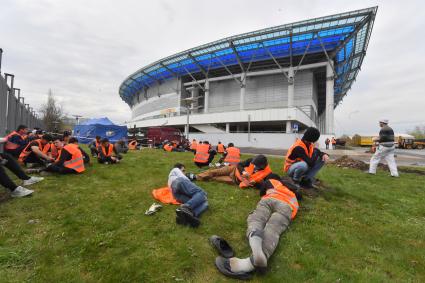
x=194, y=94
x=242, y=95
x=329, y=122
x=227, y=128
x=179, y=95
x=206, y=96
x=291, y=94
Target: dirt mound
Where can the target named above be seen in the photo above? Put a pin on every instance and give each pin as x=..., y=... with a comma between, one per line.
x=347, y=162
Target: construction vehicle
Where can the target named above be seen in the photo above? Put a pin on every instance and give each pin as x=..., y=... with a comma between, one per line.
x=410, y=143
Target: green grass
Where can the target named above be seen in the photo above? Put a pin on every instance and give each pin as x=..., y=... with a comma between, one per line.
x=92, y=228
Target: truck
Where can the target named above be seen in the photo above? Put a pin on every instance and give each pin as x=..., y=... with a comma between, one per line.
x=411, y=143
x=155, y=136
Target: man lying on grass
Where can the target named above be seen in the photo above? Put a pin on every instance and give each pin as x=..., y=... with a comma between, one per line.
x=193, y=198
x=277, y=207
x=248, y=173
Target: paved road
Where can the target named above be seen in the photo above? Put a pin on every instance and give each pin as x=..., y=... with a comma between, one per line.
x=404, y=157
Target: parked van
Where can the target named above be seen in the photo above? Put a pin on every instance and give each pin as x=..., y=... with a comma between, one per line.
x=156, y=135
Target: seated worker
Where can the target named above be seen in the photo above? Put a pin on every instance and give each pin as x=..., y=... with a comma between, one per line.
x=51, y=150
x=121, y=147
x=33, y=152
x=107, y=153
x=193, y=145
x=303, y=161
x=10, y=163
x=193, y=198
x=132, y=144
x=231, y=156
x=66, y=136
x=70, y=158
x=249, y=173
x=220, y=148
x=169, y=146
x=16, y=141
x=204, y=154
x=274, y=212
x=86, y=157
x=94, y=145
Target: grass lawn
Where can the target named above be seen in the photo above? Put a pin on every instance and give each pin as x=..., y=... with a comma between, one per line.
x=92, y=228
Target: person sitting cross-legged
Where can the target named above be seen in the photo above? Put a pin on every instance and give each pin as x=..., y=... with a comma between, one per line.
x=204, y=154
x=303, y=160
x=33, y=152
x=7, y=161
x=94, y=145
x=107, y=153
x=86, y=157
x=193, y=198
x=70, y=159
x=274, y=212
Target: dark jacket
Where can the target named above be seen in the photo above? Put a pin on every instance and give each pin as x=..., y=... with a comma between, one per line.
x=298, y=152
x=386, y=135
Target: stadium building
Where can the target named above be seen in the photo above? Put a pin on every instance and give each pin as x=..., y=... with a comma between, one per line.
x=256, y=88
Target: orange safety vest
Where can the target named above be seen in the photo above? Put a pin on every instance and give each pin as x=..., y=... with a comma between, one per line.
x=253, y=177
x=50, y=147
x=77, y=161
x=333, y=141
x=193, y=145
x=132, y=144
x=233, y=156
x=220, y=148
x=10, y=145
x=168, y=148
x=202, y=154
x=27, y=150
x=282, y=193
x=308, y=152
x=109, y=152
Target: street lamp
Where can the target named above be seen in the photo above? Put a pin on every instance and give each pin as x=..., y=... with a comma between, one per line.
x=188, y=101
x=77, y=117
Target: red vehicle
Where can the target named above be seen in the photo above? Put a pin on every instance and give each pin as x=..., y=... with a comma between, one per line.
x=157, y=135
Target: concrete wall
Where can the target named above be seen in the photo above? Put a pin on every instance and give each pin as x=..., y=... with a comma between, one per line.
x=257, y=140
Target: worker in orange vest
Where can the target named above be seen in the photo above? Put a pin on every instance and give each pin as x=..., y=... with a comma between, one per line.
x=170, y=146
x=231, y=156
x=107, y=153
x=220, y=148
x=193, y=145
x=33, y=152
x=274, y=212
x=303, y=160
x=249, y=173
x=86, y=157
x=204, y=155
x=70, y=159
x=16, y=141
x=94, y=145
x=333, y=143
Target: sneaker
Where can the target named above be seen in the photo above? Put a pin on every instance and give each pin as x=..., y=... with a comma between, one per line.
x=185, y=213
x=21, y=192
x=32, y=180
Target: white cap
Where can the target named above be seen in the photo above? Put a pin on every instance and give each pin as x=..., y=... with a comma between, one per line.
x=385, y=121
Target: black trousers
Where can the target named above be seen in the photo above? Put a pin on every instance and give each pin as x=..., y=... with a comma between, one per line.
x=15, y=152
x=59, y=169
x=33, y=158
x=14, y=167
x=105, y=159
x=93, y=151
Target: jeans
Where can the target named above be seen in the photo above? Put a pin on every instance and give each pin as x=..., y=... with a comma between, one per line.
x=190, y=194
x=300, y=169
x=13, y=166
x=273, y=217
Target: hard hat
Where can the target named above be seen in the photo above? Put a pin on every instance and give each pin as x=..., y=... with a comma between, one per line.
x=385, y=121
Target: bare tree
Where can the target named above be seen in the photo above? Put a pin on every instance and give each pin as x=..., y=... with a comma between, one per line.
x=52, y=114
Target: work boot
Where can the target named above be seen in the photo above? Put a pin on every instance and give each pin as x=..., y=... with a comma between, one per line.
x=186, y=213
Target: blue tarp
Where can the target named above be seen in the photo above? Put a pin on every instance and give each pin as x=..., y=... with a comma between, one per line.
x=88, y=130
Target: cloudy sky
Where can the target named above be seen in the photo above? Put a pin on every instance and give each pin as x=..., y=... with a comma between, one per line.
x=84, y=49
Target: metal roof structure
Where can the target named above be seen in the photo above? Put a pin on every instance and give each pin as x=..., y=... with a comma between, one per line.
x=341, y=38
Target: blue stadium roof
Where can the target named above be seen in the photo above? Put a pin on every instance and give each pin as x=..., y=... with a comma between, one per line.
x=344, y=36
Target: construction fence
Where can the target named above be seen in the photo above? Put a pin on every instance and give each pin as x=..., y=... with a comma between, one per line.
x=13, y=109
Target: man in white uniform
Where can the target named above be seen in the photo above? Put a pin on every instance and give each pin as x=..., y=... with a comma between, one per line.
x=385, y=149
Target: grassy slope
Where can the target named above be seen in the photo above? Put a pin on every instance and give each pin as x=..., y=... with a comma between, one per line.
x=91, y=228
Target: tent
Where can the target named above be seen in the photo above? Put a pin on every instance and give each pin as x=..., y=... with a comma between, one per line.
x=88, y=130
